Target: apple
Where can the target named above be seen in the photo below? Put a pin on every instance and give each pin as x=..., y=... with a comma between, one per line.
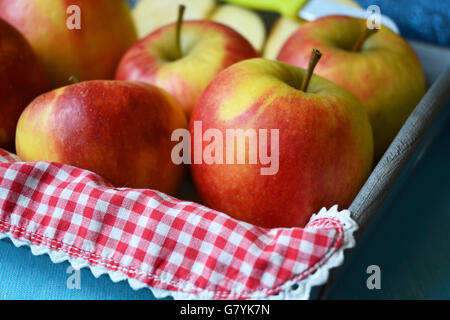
x=106, y=31
x=149, y=15
x=379, y=68
x=324, y=144
x=22, y=78
x=281, y=30
x=248, y=23
x=183, y=58
x=117, y=129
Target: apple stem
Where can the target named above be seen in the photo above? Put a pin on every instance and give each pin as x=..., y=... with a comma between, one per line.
x=315, y=57
x=181, y=9
x=366, y=34
x=73, y=79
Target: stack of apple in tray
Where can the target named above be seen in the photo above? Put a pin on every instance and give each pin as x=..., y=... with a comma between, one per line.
x=305, y=136
x=266, y=141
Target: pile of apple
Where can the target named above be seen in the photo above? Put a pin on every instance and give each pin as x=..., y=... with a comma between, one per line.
x=117, y=120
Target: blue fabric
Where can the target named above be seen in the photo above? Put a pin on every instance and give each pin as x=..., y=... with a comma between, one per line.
x=24, y=276
x=425, y=20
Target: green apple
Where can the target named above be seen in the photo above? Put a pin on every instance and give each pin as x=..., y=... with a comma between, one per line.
x=281, y=30
x=248, y=23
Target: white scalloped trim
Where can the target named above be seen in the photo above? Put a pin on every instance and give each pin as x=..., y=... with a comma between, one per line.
x=320, y=276
x=291, y=289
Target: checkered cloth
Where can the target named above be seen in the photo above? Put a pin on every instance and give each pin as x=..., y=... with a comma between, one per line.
x=157, y=240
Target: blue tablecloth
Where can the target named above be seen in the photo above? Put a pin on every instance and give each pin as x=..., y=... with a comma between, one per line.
x=425, y=20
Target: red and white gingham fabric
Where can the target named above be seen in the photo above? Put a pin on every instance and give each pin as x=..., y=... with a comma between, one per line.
x=161, y=242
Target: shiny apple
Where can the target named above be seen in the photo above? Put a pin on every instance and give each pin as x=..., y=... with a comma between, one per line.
x=119, y=130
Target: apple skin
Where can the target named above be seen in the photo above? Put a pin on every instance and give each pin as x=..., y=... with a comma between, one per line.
x=325, y=144
x=386, y=75
x=22, y=78
x=208, y=48
x=119, y=130
x=107, y=31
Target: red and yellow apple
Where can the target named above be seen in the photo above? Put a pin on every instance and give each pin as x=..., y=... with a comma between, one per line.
x=325, y=144
x=120, y=130
x=22, y=78
x=381, y=70
x=90, y=52
x=184, y=59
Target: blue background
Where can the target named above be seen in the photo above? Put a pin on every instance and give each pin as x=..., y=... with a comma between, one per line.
x=425, y=20
x=409, y=238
